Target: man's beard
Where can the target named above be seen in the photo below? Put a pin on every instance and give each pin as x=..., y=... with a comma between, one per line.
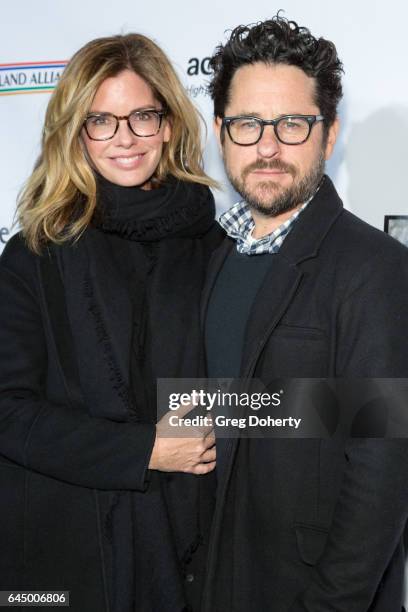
x=272, y=199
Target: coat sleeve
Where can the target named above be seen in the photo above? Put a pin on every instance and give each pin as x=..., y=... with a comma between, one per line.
x=372, y=508
x=55, y=439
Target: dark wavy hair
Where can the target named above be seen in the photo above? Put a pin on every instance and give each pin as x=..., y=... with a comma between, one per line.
x=279, y=41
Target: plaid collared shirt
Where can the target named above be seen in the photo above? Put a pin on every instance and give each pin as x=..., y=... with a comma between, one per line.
x=238, y=223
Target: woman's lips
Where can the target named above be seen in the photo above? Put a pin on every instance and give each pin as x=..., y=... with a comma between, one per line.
x=127, y=161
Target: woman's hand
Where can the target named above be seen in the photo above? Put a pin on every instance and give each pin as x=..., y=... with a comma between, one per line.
x=183, y=448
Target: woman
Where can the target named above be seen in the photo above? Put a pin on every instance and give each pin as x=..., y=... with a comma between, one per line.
x=99, y=297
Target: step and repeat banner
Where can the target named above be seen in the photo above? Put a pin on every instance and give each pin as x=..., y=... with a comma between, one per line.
x=369, y=165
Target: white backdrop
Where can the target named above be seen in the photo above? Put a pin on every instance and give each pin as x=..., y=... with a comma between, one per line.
x=369, y=164
x=370, y=161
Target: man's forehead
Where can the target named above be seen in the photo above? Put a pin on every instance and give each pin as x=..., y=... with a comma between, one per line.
x=259, y=85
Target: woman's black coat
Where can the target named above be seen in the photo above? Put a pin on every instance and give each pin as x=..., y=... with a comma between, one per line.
x=79, y=355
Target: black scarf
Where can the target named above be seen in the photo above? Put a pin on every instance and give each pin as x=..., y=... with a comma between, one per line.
x=173, y=210
x=165, y=225
x=133, y=283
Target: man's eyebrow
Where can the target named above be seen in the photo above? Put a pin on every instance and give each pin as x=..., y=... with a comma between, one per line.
x=248, y=114
x=258, y=116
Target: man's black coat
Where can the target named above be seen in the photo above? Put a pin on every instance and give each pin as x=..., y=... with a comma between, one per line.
x=317, y=524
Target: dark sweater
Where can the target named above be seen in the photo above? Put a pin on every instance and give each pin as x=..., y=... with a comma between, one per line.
x=228, y=311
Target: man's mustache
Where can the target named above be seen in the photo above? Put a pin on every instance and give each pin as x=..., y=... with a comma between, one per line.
x=274, y=164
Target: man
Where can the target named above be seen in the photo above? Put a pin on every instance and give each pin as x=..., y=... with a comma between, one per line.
x=300, y=288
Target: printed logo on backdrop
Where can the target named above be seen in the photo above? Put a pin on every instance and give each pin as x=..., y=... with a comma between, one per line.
x=198, y=72
x=5, y=234
x=30, y=77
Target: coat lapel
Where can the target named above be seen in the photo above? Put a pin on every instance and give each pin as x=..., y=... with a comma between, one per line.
x=284, y=276
x=271, y=302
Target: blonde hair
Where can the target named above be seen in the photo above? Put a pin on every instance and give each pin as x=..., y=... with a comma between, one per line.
x=59, y=199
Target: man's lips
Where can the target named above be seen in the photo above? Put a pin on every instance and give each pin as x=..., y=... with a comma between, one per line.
x=273, y=170
x=269, y=171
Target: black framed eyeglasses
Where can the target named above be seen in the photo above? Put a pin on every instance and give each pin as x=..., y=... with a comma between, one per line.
x=143, y=123
x=289, y=129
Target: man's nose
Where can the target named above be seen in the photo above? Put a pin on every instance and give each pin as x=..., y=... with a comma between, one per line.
x=269, y=145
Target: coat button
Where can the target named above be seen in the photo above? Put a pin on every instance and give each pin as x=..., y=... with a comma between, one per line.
x=190, y=578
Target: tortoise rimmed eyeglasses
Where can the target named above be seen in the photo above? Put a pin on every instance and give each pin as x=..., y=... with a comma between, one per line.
x=142, y=123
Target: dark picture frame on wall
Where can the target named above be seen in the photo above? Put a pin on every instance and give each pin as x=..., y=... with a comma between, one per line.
x=397, y=227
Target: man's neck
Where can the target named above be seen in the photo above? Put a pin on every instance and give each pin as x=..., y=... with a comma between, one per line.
x=266, y=225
